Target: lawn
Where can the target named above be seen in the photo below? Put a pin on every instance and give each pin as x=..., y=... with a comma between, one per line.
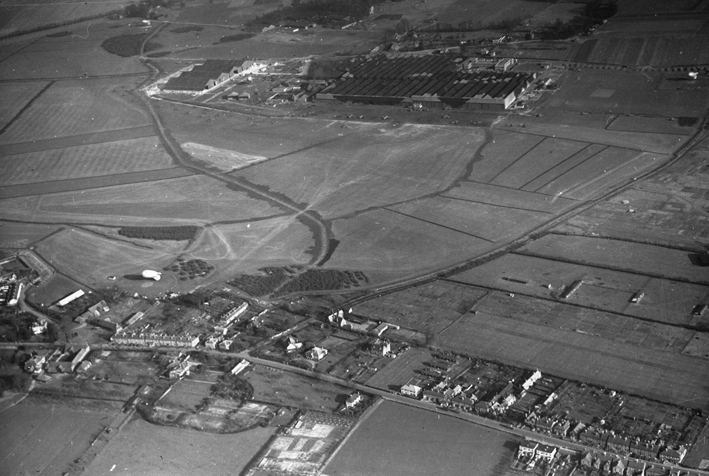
x=402, y=440
x=152, y=450
x=369, y=168
x=86, y=161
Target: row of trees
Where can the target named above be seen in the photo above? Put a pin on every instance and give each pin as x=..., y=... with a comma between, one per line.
x=175, y=233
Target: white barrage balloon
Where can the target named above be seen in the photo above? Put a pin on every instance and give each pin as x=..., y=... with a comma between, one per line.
x=150, y=274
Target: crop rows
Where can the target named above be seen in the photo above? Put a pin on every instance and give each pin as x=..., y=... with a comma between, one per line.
x=85, y=161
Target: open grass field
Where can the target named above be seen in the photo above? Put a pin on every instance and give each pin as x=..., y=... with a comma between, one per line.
x=76, y=107
x=27, y=15
x=602, y=91
x=429, y=308
x=397, y=440
x=649, y=124
x=471, y=218
x=152, y=450
x=186, y=395
x=293, y=390
x=109, y=158
x=20, y=235
x=506, y=198
x=650, y=49
x=625, y=330
x=68, y=56
x=679, y=379
x=45, y=439
x=500, y=152
x=547, y=154
x=53, y=290
x=245, y=247
x=15, y=96
x=188, y=200
x=382, y=243
x=485, y=12
x=370, y=168
x=620, y=255
x=101, y=257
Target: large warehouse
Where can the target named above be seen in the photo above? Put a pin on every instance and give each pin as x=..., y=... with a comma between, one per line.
x=431, y=80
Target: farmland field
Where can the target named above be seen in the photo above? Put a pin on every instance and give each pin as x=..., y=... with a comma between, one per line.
x=392, y=239
x=504, y=197
x=292, y=390
x=375, y=168
x=500, y=152
x=400, y=370
x=72, y=108
x=188, y=200
x=429, y=308
x=44, y=439
x=649, y=124
x=460, y=447
x=86, y=161
x=16, y=96
x=620, y=255
x=471, y=218
x=152, y=450
x=27, y=15
x=15, y=235
x=679, y=379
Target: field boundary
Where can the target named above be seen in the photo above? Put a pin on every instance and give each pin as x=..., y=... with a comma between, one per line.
x=25, y=107
x=436, y=224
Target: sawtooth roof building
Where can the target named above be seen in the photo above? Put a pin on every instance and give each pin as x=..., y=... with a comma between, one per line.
x=437, y=80
x=207, y=75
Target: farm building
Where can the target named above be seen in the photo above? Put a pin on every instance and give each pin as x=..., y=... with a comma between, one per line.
x=71, y=297
x=437, y=81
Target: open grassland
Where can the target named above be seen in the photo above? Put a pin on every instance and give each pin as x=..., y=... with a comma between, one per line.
x=21, y=235
x=71, y=56
x=386, y=245
x=659, y=43
x=399, y=371
x=45, y=439
x=473, y=219
x=32, y=14
x=15, y=96
x=504, y=197
x=620, y=255
x=370, y=168
x=101, y=257
x=245, y=247
x=396, y=440
x=76, y=107
x=152, y=450
x=186, y=395
x=601, y=91
x=428, y=308
x=85, y=161
x=624, y=330
x=479, y=13
x=676, y=379
x=53, y=290
x=293, y=390
x=659, y=125
x=664, y=301
x=188, y=200
x=503, y=150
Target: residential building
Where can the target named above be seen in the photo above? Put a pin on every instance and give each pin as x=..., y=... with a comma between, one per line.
x=38, y=327
x=226, y=344
x=410, y=390
x=80, y=356
x=674, y=456
x=353, y=400
x=182, y=369
x=527, y=450
x=546, y=452
x=316, y=353
x=238, y=368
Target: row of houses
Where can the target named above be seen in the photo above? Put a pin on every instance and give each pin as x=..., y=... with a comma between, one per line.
x=206, y=76
x=157, y=339
x=611, y=465
x=632, y=447
x=430, y=81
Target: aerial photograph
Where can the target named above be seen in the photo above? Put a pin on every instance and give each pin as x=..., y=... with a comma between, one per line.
x=354, y=237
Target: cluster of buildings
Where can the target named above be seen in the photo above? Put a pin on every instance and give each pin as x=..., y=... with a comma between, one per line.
x=10, y=293
x=66, y=360
x=180, y=366
x=606, y=464
x=436, y=81
x=206, y=76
